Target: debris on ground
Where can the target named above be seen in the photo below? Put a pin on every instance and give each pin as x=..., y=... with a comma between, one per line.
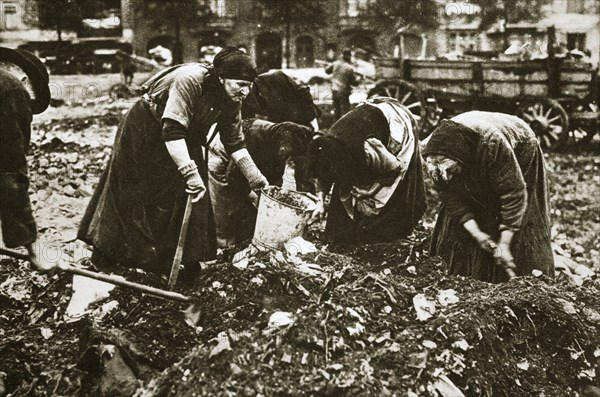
x=312, y=320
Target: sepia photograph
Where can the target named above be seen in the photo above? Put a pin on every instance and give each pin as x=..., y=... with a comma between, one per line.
x=311, y=198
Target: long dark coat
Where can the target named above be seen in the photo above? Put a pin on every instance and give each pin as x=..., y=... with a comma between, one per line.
x=339, y=158
x=503, y=185
x=18, y=224
x=135, y=214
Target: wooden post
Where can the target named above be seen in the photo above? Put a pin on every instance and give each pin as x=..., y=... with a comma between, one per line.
x=423, y=46
x=553, y=64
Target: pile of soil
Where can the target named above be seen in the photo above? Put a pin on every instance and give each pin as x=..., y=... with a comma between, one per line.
x=355, y=331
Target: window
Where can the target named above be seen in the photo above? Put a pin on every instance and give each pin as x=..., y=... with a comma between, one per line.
x=576, y=6
x=11, y=19
x=217, y=7
x=575, y=41
x=355, y=7
x=463, y=41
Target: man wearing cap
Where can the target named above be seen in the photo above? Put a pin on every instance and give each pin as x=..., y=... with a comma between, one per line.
x=135, y=214
x=23, y=92
x=342, y=80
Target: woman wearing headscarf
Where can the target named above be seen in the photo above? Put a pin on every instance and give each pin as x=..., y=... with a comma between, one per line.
x=493, y=220
x=279, y=98
x=271, y=145
x=371, y=157
x=135, y=214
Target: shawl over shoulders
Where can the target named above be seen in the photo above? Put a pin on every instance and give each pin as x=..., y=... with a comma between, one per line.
x=503, y=186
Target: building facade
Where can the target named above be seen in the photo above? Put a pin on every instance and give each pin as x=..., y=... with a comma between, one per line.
x=577, y=24
x=242, y=23
x=190, y=35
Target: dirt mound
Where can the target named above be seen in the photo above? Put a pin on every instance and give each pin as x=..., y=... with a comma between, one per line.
x=356, y=332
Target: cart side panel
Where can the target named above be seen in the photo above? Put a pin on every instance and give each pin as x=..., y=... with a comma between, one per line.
x=575, y=79
x=502, y=79
x=446, y=78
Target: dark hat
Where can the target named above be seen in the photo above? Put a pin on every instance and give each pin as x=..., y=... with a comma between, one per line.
x=452, y=140
x=35, y=71
x=231, y=63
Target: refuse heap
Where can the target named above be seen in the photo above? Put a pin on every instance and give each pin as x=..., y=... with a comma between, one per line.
x=349, y=327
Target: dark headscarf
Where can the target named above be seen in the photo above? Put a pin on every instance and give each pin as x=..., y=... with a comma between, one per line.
x=452, y=140
x=231, y=63
x=35, y=71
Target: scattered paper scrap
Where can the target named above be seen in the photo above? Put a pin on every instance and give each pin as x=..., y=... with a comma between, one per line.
x=85, y=292
x=46, y=332
x=424, y=307
x=223, y=344
x=280, y=319
x=447, y=297
x=446, y=388
x=299, y=246
x=524, y=365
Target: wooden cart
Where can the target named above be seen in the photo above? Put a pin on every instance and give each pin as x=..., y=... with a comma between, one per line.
x=557, y=97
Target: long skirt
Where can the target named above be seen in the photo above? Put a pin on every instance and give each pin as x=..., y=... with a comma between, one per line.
x=134, y=217
x=396, y=219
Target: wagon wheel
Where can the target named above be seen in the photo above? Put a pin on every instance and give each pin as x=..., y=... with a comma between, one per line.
x=548, y=120
x=582, y=132
x=407, y=94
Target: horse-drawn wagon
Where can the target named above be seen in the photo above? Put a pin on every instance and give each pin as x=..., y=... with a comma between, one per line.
x=557, y=97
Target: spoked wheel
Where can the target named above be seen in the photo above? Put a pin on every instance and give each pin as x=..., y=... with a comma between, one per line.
x=585, y=122
x=407, y=94
x=548, y=120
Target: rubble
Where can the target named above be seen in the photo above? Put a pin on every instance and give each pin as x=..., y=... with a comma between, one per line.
x=345, y=323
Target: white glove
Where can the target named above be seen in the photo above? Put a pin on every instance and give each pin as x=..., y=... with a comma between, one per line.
x=255, y=178
x=193, y=180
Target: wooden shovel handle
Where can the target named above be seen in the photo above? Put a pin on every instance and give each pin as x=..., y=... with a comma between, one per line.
x=108, y=278
x=181, y=243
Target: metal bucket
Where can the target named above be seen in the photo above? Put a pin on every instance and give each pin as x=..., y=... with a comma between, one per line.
x=278, y=222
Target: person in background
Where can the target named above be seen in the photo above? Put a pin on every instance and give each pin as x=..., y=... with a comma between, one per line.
x=135, y=215
x=342, y=80
x=271, y=145
x=128, y=69
x=371, y=157
x=278, y=97
x=23, y=92
x=494, y=219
